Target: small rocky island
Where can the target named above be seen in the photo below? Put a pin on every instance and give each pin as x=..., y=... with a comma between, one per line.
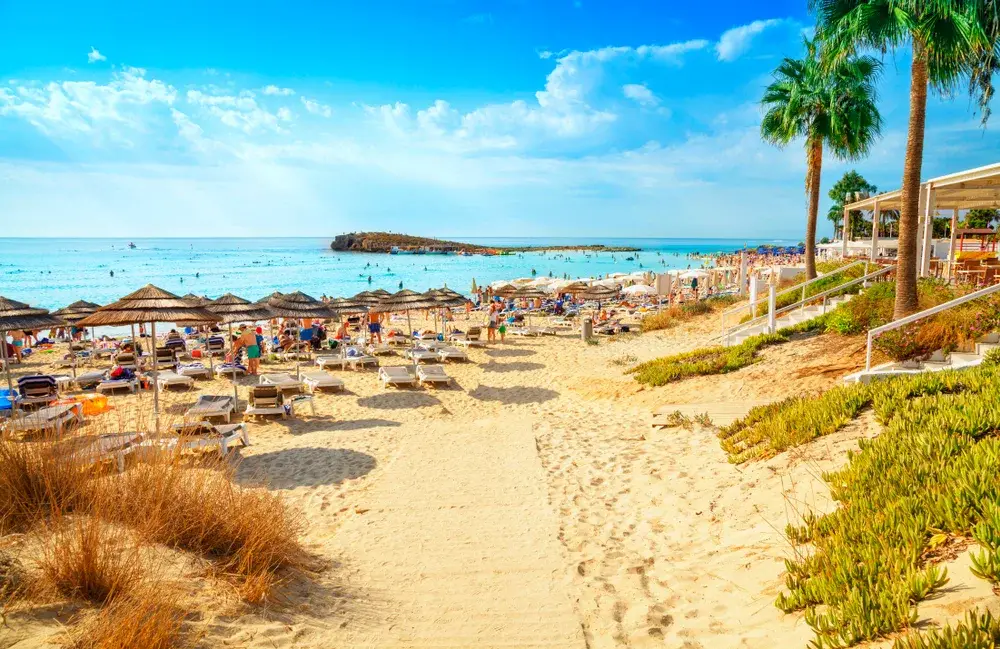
x=390, y=243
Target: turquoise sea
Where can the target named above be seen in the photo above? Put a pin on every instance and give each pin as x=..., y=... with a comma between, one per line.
x=53, y=272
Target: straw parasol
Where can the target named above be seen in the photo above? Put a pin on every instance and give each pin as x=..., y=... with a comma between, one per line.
x=445, y=298
x=230, y=309
x=344, y=305
x=149, y=304
x=73, y=314
x=300, y=306
x=16, y=315
x=599, y=292
x=405, y=300
x=529, y=292
x=366, y=298
x=197, y=300
x=505, y=291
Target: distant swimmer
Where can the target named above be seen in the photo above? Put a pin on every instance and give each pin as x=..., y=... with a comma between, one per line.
x=112, y=273
x=369, y=279
x=401, y=285
x=197, y=275
x=182, y=280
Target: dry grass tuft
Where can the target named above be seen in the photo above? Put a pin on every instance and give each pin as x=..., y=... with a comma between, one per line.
x=248, y=533
x=37, y=479
x=145, y=621
x=88, y=559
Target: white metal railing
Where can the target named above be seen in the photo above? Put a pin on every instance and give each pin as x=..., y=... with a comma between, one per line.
x=902, y=322
x=864, y=279
x=801, y=286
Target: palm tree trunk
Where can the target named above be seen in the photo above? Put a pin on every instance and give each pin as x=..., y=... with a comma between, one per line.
x=815, y=168
x=906, y=269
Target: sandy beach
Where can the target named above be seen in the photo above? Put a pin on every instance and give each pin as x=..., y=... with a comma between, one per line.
x=530, y=504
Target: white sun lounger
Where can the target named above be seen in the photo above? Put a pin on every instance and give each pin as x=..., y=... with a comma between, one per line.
x=433, y=374
x=110, y=385
x=361, y=360
x=211, y=405
x=281, y=381
x=52, y=418
x=114, y=446
x=265, y=400
x=227, y=370
x=419, y=354
x=452, y=354
x=201, y=435
x=375, y=349
x=194, y=370
x=329, y=361
x=170, y=379
x=320, y=380
x=397, y=375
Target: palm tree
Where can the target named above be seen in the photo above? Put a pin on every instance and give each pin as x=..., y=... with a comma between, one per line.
x=949, y=40
x=832, y=105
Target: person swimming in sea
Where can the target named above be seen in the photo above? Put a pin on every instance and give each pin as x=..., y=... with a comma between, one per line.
x=401, y=285
x=112, y=273
x=197, y=275
x=369, y=279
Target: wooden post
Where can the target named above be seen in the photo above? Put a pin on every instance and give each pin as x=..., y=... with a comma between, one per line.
x=876, y=217
x=951, y=246
x=925, y=259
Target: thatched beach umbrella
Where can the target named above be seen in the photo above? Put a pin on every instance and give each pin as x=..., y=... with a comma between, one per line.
x=405, y=300
x=149, y=304
x=73, y=314
x=196, y=300
x=446, y=299
x=230, y=309
x=529, y=293
x=16, y=315
x=344, y=305
x=505, y=291
x=300, y=306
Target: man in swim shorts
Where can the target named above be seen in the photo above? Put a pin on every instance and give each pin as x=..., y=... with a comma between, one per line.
x=375, y=326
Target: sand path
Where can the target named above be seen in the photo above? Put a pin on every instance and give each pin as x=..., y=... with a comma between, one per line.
x=456, y=545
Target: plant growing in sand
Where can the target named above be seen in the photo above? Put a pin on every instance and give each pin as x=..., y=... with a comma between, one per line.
x=976, y=631
x=143, y=620
x=933, y=473
x=701, y=362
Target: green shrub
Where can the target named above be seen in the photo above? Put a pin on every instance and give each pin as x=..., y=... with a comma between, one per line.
x=706, y=361
x=933, y=472
x=976, y=631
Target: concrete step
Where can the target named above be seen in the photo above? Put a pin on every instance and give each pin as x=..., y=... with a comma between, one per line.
x=983, y=348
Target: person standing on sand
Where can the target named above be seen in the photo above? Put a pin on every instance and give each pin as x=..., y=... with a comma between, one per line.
x=491, y=323
x=248, y=340
x=18, y=337
x=375, y=327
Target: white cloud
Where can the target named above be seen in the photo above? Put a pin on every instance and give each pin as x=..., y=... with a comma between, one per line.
x=316, y=108
x=284, y=114
x=734, y=42
x=275, y=90
x=240, y=111
x=94, y=56
x=641, y=94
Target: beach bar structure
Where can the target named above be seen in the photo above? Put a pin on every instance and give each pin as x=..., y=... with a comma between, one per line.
x=966, y=190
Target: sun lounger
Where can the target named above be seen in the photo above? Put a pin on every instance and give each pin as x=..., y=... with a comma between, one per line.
x=211, y=405
x=51, y=419
x=194, y=436
x=194, y=370
x=330, y=361
x=171, y=379
x=37, y=389
x=420, y=354
x=125, y=360
x=110, y=385
x=90, y=379
x=320, y=380
x=376, y=349
x=265, y=400
x=397, y=338
x=164, y=359
x=433, y=374
x=359, y=359
x=397, y=375
x=282, y=381
x=113, y=446
x=470, y=338
x=215, y=346
x=451, y=354
x=228, y=369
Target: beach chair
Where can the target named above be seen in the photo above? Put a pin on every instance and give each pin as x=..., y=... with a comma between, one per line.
x=199, y=435
x=420, y=354
x=37, y=389
x=330, y=361
x=320, y=380
x=451, y=354
x=211, y=405
x=125, y=360
x=90, y=379
x=215, y=346
x=376, y=349
x=172, y=379
x=164, y=359
x=54, y=419
x=265, y=400
x=397, y=375
x=359, y=358
x=433, y=374
x=296, y=352
x=113, y=446
x=228, y=369
x=112, y=385
x=470, y=338
x=285, y=382
x=194, y=370
x=177, y=346
x=397, y=337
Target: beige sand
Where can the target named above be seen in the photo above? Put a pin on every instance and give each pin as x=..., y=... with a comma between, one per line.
x=530, y=505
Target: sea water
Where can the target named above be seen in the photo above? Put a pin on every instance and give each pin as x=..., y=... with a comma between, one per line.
x=52, y=272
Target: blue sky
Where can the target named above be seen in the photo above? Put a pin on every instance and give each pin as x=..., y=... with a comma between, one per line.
x=440, y=117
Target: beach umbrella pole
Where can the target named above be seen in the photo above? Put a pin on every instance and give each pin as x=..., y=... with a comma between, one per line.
x=236, y=396
x=6, y=367
x=156, y=385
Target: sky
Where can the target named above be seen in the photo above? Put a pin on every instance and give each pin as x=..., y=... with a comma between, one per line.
x=434, y=117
